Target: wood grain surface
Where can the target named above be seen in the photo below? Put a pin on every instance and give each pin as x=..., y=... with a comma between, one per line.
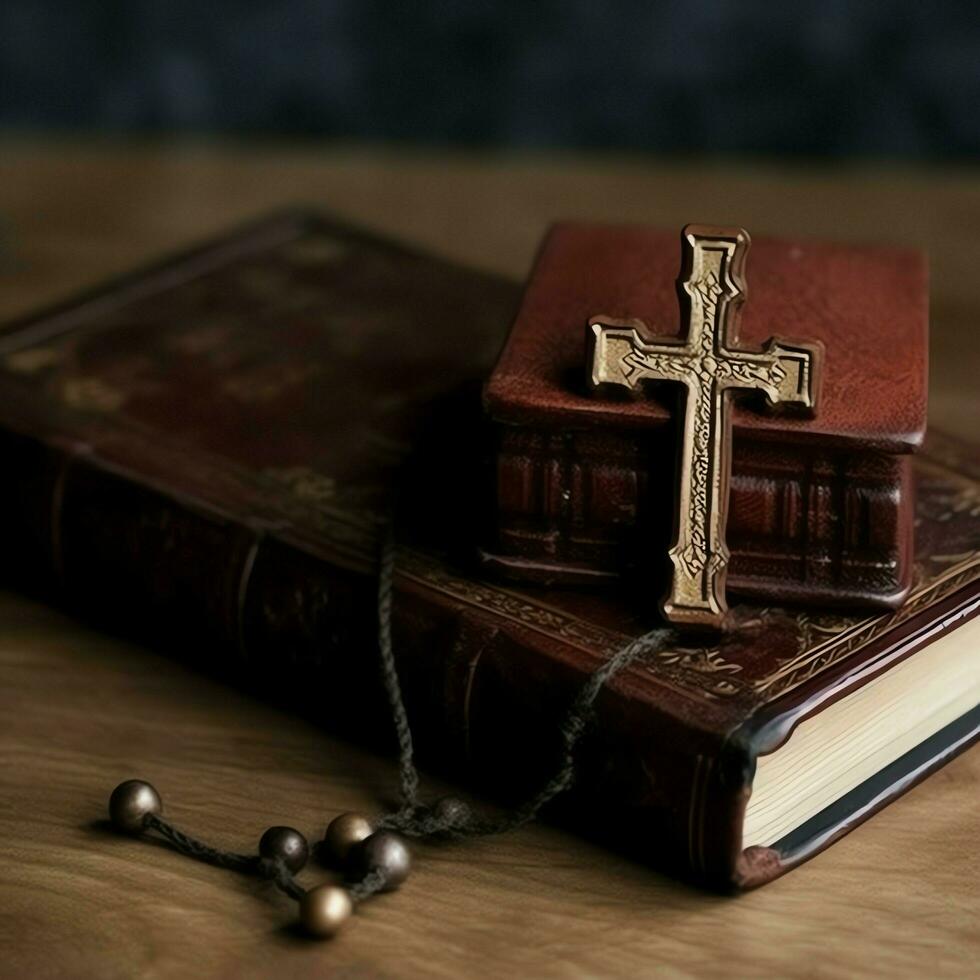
x=79, y=711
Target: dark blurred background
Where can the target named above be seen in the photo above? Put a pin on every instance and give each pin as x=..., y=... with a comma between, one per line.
x=826, y=78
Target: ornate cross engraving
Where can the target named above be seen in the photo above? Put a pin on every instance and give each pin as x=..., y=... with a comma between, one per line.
x=709, y=365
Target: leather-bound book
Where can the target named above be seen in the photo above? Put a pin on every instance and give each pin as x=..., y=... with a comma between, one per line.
x=821, y=507
x=205, y=453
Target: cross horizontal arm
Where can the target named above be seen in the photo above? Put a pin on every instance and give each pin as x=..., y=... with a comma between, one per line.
x=785, y=371
x=619, y=356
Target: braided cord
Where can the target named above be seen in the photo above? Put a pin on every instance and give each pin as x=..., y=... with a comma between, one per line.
x=408, y=774
x=274, y=871
x=417, y=820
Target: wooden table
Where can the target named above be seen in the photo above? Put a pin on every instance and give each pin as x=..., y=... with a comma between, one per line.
x=79, y=711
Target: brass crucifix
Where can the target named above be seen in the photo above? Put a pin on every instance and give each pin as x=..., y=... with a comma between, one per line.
x=710, y=365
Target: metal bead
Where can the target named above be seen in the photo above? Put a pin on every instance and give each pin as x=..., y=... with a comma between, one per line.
x=286, y=845
x=388, y=853
x=130, y=802
x=343, y=834
x=451, y=812
x=324, y=909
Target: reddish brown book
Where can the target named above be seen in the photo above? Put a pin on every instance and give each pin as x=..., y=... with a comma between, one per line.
x=821, y=507
x=204, y=453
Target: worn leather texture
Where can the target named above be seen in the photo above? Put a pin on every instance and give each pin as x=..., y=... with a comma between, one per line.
x=867, y=305
x=821, y=508
x=204, y=455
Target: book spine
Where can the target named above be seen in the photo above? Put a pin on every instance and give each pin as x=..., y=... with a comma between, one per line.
x=831, y=529
x=240, y=602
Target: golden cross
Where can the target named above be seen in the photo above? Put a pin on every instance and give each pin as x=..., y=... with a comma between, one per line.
x=709, y=365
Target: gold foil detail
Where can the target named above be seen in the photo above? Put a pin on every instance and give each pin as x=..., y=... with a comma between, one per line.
x=33, y=359
x=91, y=394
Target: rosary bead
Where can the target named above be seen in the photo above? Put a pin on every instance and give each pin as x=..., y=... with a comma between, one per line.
x=286, y=845
x=130, y=802
x=324, y=909
x=343, y=834
x=388, y=853
x=451, y=812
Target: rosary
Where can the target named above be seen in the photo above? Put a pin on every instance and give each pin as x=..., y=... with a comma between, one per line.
x=371, y=854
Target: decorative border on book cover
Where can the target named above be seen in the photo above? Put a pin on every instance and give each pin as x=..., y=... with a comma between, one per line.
x=705, y=671
x=699, y=670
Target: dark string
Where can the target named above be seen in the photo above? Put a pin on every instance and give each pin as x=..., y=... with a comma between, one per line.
x=272, y=870
x=415, y=818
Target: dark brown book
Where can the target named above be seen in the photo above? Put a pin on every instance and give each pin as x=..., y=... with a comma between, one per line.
x=205, y=452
